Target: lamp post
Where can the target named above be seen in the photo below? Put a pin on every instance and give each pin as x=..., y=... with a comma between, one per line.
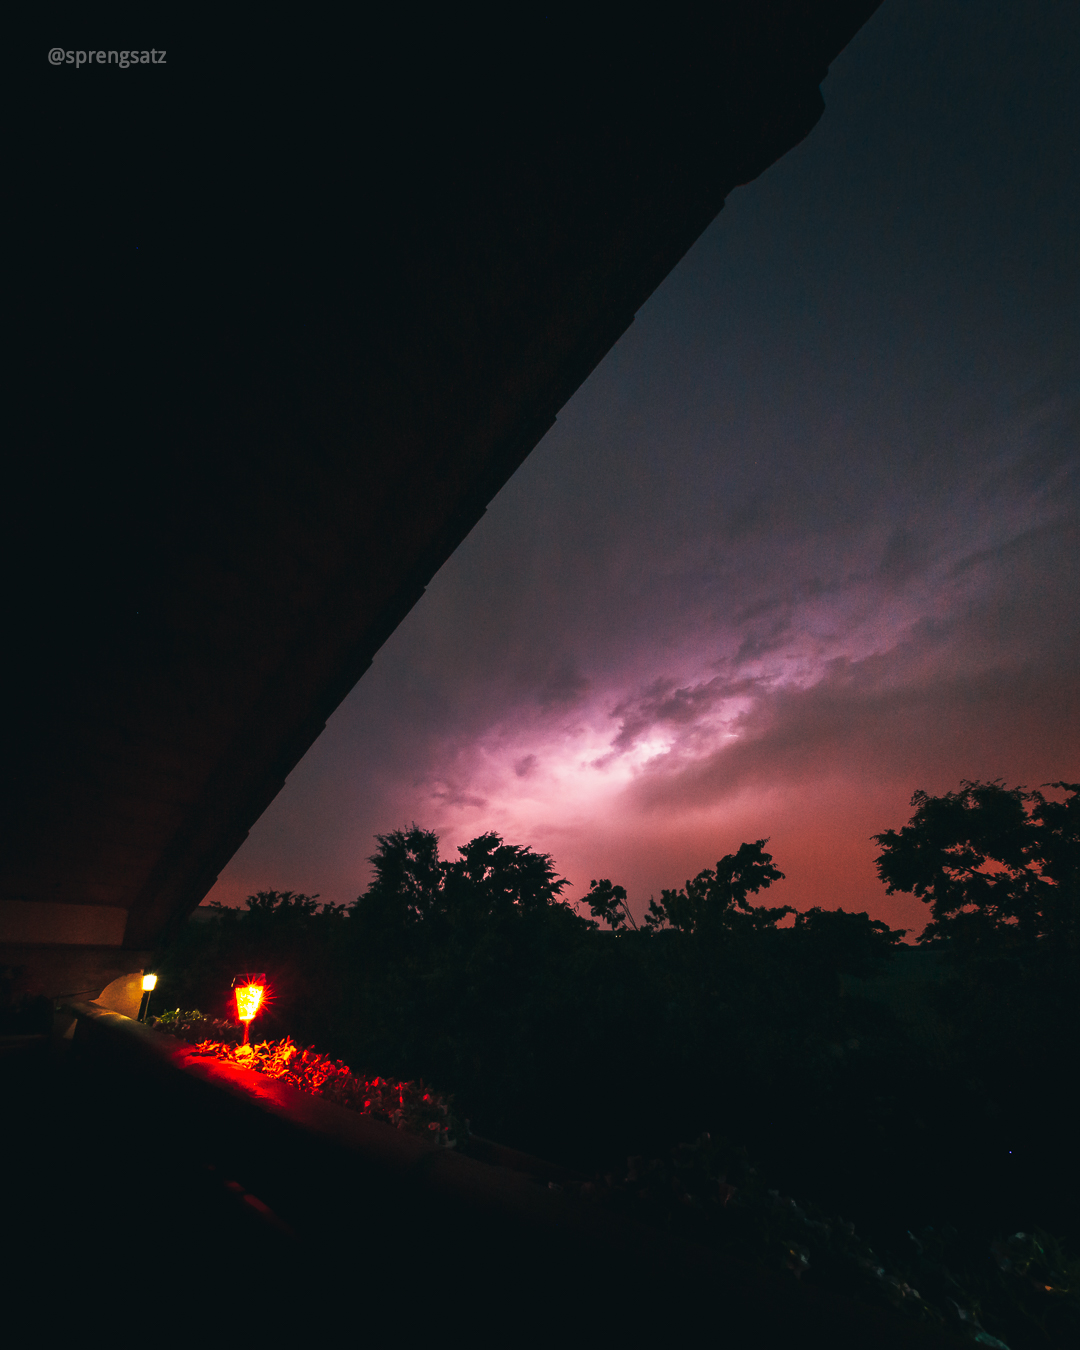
x=148, y=983
x=250, y=990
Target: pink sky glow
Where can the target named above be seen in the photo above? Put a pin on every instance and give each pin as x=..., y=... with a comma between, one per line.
x=805, y=541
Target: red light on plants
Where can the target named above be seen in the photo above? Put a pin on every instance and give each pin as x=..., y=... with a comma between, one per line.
x=250, y=991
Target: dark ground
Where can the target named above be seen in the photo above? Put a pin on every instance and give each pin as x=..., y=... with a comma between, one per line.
x=120, y=1213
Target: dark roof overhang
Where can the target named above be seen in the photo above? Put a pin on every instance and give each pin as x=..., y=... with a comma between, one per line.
x=286, y=337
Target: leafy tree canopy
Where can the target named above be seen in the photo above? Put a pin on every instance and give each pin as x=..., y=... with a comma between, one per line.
x=490, y=880
x=996, y=865
x=853, y=943
x=282, y=908
x=717, y=900
x=608, y=903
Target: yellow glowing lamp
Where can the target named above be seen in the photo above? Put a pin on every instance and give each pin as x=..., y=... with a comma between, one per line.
x=248, y=998
x=250, y=991
x=148, y=983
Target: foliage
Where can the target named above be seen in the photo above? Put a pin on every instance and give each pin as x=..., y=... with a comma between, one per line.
x=607, y=902
x=192, y=1026
x=852, y=942
x=911, y=1087
x=716, y=900
x=288, y=934
x=406, y=1106
x=999, y=867
x=490, y=883
x=708, y=1192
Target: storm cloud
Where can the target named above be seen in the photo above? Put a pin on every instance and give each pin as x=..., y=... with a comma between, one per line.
x=806, y=540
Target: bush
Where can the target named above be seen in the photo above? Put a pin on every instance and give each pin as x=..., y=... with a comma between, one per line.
x=923, y=1089
x=406, y=1106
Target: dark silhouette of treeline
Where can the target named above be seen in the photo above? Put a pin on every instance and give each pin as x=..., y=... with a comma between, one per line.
x=898, y=1085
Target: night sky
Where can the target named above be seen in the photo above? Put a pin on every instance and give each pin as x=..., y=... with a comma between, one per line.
x=806, y=540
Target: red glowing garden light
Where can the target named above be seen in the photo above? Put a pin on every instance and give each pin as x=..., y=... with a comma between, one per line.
x=250, y=992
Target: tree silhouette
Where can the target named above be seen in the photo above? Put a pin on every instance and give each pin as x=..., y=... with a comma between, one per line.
x=490, y=882
x=999, y=867
x=857, y=1066
x=608, y=902
x=716, y=901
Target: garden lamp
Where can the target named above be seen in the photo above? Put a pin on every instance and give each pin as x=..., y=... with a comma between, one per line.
x=148, y=983
x=250, y=990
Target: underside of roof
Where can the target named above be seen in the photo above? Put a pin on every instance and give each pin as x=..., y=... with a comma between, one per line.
x=288, y=330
